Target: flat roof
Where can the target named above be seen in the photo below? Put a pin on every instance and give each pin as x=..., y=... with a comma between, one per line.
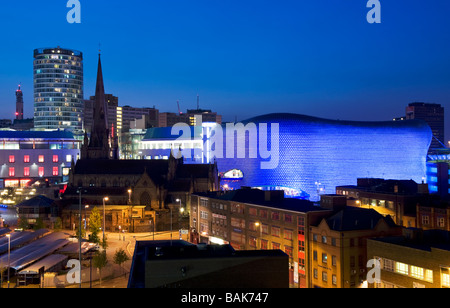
x=256, y=197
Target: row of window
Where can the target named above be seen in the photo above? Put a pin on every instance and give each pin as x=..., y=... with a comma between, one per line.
x=406, y=269
x=41, y=158
x=26, y=171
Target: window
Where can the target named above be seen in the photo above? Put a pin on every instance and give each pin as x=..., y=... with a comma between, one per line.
x=446, y=280
x=288, y=251
x=301, y=246
x=275, y=216
x=288, y=218
x=333, y=241
x=417, y=272
x=324, y=239
x=333, y=260
x=314, y=237
x=324, y=276
x=324, y=258
x=26, y=171
x=334, y=279
x=55, y=171
x=288, y=234
x=253, y=211
x=12, y=171
x=55, y=158
x=316, y=275
x=315, y=255
x=388, y=265
x=12, y=159
x=41, y=171
x=263, y=213
x=264, y=245
x=41, y=158
x=441, y=222
x=275, y=245
x=68, y=158
x=301, y=225
x=276, y=231
x=425, y=219
x=26, y=158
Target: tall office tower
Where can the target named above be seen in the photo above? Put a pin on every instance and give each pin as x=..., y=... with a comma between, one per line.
x=433, y=114
x=19, y=104
x=58, y=88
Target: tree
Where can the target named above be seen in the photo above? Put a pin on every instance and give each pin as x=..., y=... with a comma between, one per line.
x=39, y=224
x=120, y=257
x=95, y=223
x=57, y=224
x=100, y=261
x=23, y=223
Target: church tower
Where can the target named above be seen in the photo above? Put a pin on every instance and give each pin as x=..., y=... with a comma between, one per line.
x=99, y=144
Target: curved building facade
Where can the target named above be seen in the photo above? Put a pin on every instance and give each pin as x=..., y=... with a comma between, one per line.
x=316, y=155
x=58, y=88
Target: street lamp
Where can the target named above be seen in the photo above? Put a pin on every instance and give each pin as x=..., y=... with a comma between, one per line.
x=79, y=230
x=104, y=216
x=9, y=254
x=85, y=218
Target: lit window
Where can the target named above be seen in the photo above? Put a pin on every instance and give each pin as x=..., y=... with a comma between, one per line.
x=41, y=158
x=12, y=159
x=26, y=159
x=446, y=280
x=26, y=171
x=68, y=158
x=55, y=158
x=55, y=171
x=41, y=171
x=417, y=272
x=12, y=172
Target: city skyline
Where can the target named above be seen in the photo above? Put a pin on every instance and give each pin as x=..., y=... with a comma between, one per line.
x=305, y=58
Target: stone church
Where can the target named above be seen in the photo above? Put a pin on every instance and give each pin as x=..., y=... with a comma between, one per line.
x=156, y=186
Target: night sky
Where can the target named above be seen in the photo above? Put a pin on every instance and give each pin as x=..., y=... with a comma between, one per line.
x=244, y=58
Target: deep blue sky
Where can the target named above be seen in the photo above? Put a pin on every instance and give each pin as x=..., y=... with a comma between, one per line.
x=243, y=57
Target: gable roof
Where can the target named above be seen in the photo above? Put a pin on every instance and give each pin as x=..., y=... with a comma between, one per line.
x=353, y=218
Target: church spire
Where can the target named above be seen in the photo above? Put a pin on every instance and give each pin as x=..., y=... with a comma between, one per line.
x=99, y=144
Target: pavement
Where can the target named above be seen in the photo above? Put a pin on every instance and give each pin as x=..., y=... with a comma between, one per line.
x=116, y=241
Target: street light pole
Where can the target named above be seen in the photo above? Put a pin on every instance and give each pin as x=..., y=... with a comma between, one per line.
x=104, y=216
x=79, y=232
x=9, y=254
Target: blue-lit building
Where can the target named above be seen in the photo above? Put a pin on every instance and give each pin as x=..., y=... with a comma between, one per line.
x=438, y=171
x=26, y=156
x=308, y=156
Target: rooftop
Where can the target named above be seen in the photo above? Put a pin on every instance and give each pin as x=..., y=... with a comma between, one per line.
x=274, y=199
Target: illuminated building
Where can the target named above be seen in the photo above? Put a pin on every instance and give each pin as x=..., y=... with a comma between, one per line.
x=58, y=88
x=26, y=156
x=417, y=259
x=252, y=219
x=338, y=248
x=316, y=155
x=396, y=198
x=438, y=171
